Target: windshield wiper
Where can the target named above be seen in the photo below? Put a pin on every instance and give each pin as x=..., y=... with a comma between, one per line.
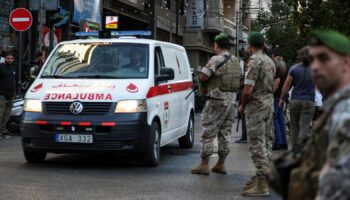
x=54, y=76
x=97, y=76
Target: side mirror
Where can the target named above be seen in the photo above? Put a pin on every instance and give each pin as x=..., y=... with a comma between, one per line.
x=34, y=71
x=165, y=74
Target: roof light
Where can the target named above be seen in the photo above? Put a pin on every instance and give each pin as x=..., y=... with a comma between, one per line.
x=131, y=33
x=86, y=34
x=103, y=34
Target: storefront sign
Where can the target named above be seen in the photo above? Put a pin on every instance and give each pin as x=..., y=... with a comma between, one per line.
x=46, y=4
x=87, y=26
x=194, y=16
x=57, y=36
x=111, y=22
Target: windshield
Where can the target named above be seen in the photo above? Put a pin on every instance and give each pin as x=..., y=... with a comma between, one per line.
x=98, y=60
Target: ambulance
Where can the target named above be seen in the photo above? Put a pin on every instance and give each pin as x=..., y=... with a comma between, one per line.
x=125, y=95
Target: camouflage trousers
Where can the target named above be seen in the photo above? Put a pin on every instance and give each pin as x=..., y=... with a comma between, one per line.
x=260, y=131
x=217, y=122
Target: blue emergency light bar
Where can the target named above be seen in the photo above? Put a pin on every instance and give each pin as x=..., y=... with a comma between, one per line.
x=131, y=33
x=115, y=33
x=86, y=34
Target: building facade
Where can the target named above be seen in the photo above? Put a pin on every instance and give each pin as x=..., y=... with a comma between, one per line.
x=169, y=20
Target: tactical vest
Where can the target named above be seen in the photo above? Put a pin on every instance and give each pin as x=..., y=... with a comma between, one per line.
x=227, y=77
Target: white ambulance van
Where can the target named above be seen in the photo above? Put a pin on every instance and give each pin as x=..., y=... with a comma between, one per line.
x=123, y=94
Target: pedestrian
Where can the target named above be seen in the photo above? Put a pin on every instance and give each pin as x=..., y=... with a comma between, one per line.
x=7, y=91
x=302, y=103
x=257, y=107
x=218, y=113
x=280, y=142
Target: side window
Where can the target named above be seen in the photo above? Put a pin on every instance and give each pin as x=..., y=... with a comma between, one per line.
x=159, y=61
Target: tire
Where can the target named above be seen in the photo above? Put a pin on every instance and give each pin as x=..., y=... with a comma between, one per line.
x=34, y=157
x=13, y=127
x=187, y=140
x=152, y=154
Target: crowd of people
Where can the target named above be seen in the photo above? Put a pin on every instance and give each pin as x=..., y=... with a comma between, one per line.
x=313, y=95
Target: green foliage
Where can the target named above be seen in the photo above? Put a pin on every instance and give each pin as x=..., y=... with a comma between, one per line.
x=323, y=14
x=279, y=29
x=288, y=23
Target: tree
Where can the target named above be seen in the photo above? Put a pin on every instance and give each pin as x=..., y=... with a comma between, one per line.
x=321, y=14
x=279, y=29
x=288, y=23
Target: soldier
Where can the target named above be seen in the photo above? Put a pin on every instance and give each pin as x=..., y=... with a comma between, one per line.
x=257, y=106
x=221, y=78
x=330, y=64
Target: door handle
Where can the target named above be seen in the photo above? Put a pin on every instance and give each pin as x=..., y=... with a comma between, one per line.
x=169, y=88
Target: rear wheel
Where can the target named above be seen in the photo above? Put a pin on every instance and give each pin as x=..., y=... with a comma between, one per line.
x=152, y=155
x=34, y=157
x=187, y=140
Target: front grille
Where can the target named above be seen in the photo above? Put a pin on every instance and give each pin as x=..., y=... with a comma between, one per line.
x=89, y=108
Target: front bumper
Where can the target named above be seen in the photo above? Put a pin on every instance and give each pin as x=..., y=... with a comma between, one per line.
x=129, y=135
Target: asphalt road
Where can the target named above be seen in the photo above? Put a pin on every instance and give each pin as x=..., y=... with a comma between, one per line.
x=68, y=176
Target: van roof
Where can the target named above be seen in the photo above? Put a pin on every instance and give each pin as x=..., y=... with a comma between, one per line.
x=123, y=40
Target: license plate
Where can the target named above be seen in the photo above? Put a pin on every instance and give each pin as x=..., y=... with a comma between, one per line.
x=74, y=138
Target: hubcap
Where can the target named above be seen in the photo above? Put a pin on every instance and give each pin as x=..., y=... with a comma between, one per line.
x=156, y=145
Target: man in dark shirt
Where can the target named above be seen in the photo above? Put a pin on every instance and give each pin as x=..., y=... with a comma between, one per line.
x=7, y=91
x=279, y=120
x=302, y=103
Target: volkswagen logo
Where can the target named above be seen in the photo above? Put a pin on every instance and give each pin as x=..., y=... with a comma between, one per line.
x=76, y=108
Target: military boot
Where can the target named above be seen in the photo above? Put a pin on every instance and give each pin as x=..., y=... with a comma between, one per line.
x=250, y=184
x=220, y=166
x=202, y=168
x=260, y=189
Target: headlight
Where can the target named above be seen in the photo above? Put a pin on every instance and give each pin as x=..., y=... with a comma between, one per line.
x=32, y=105
x=130, y=106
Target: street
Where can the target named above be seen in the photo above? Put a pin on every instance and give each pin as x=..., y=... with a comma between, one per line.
x=85, y=177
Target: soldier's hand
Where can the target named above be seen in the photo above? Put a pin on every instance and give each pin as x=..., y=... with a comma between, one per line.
x=203, y=78
x=241, y=110
x=281, y=103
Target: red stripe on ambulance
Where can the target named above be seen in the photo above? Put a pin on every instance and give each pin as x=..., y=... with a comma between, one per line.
x=169, y=88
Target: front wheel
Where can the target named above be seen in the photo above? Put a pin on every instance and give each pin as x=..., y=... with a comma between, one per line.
x=187, y=140
x=152, y=155
x=34, y=157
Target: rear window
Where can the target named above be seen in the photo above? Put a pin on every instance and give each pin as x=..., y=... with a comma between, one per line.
x=98, y=60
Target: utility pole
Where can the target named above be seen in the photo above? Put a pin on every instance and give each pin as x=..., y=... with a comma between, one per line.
x=152, y=19
x=40, y=25
x=177, y=20
x=237, y=30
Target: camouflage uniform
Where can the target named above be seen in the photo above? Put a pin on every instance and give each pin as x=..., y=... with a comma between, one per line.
x=218, y=113
x=334, y=179
x=259, y=110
